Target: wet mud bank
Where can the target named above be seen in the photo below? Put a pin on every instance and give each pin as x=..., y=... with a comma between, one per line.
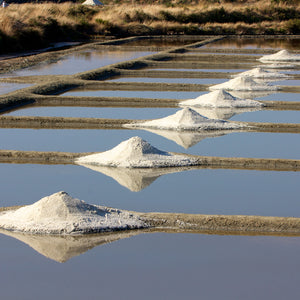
x=98, y=123
x=95, y=79
x=210, y=224
x=39, y=157
x=224, y=223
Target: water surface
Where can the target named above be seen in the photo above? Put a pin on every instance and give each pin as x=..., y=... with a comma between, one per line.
x=80, y=62
x=157, y=266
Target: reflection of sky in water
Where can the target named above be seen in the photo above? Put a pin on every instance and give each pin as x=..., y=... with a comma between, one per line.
x=140, y=94
x=170, y=264
x=202, y=70
x=253, y=43
x=96, y=112
x=80, y=62
x=158, y=266
x=172, y=80
x=289, y=82
x=11, y=87
x=209, y=191
x=155, y=113
x=278, y=96
x=269, y=116
x=233, y=144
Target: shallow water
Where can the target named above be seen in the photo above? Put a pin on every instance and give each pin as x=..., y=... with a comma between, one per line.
x=139, y=94
x=80, y=62
x=95, y=112
x=155, y=113
x=158, y=265
x=209, y=191
x=11, y=87
x=203, y=70
x=279, y=96
x=171, y=80
x=254, y=43
x=236, y=144
x=153, y=265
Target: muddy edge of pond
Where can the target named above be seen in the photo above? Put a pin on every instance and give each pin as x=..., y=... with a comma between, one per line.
x=213, y=224
x=89, y=80
x=223, y=223
x=98, y=123
x=273, y=164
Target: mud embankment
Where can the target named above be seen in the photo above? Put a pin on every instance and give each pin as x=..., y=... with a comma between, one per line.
x=38, y=157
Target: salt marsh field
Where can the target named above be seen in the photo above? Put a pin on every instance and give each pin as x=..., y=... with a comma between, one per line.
x=152, y=263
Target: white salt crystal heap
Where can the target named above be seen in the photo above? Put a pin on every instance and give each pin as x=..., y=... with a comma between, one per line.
x=186, y=119
x=261, y=73
x=136, y=153
x=243, y=83
x=220, y=98
x=62, y=214
x=282, y=55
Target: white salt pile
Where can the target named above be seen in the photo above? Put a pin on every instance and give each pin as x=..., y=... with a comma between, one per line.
x=186, y=119
x=243, y=84
x=220, y=98
x=92, y=3
x=136, y=153
x=282, y=55
x=62, y=214
x=261, y=73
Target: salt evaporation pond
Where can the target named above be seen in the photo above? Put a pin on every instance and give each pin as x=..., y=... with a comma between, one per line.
x=11, y=87
x=139, y=94
x=256, y=43
x=94, y=112
x=236, y=144
x=171, y=80
x=168, y=266
x=211, y=191
x=80, y=62
x=160, y=265
x=203, y=70
x=279, y=96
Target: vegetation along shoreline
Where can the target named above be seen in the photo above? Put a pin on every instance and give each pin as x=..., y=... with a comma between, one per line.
x=29, y=26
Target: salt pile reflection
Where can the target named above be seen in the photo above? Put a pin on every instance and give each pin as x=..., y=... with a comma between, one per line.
x=188, y=139
x=135, y=179
x=63, y=248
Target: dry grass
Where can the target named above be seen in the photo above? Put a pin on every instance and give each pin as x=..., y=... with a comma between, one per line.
x=28, y=25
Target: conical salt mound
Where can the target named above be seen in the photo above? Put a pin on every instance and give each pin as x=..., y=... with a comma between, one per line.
x=261, y=73
x=186, y=119
x=243, y=84
x=92, y=2
x=220, y=98
x=136, y=153
x=282, y=55
x=62, y=214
